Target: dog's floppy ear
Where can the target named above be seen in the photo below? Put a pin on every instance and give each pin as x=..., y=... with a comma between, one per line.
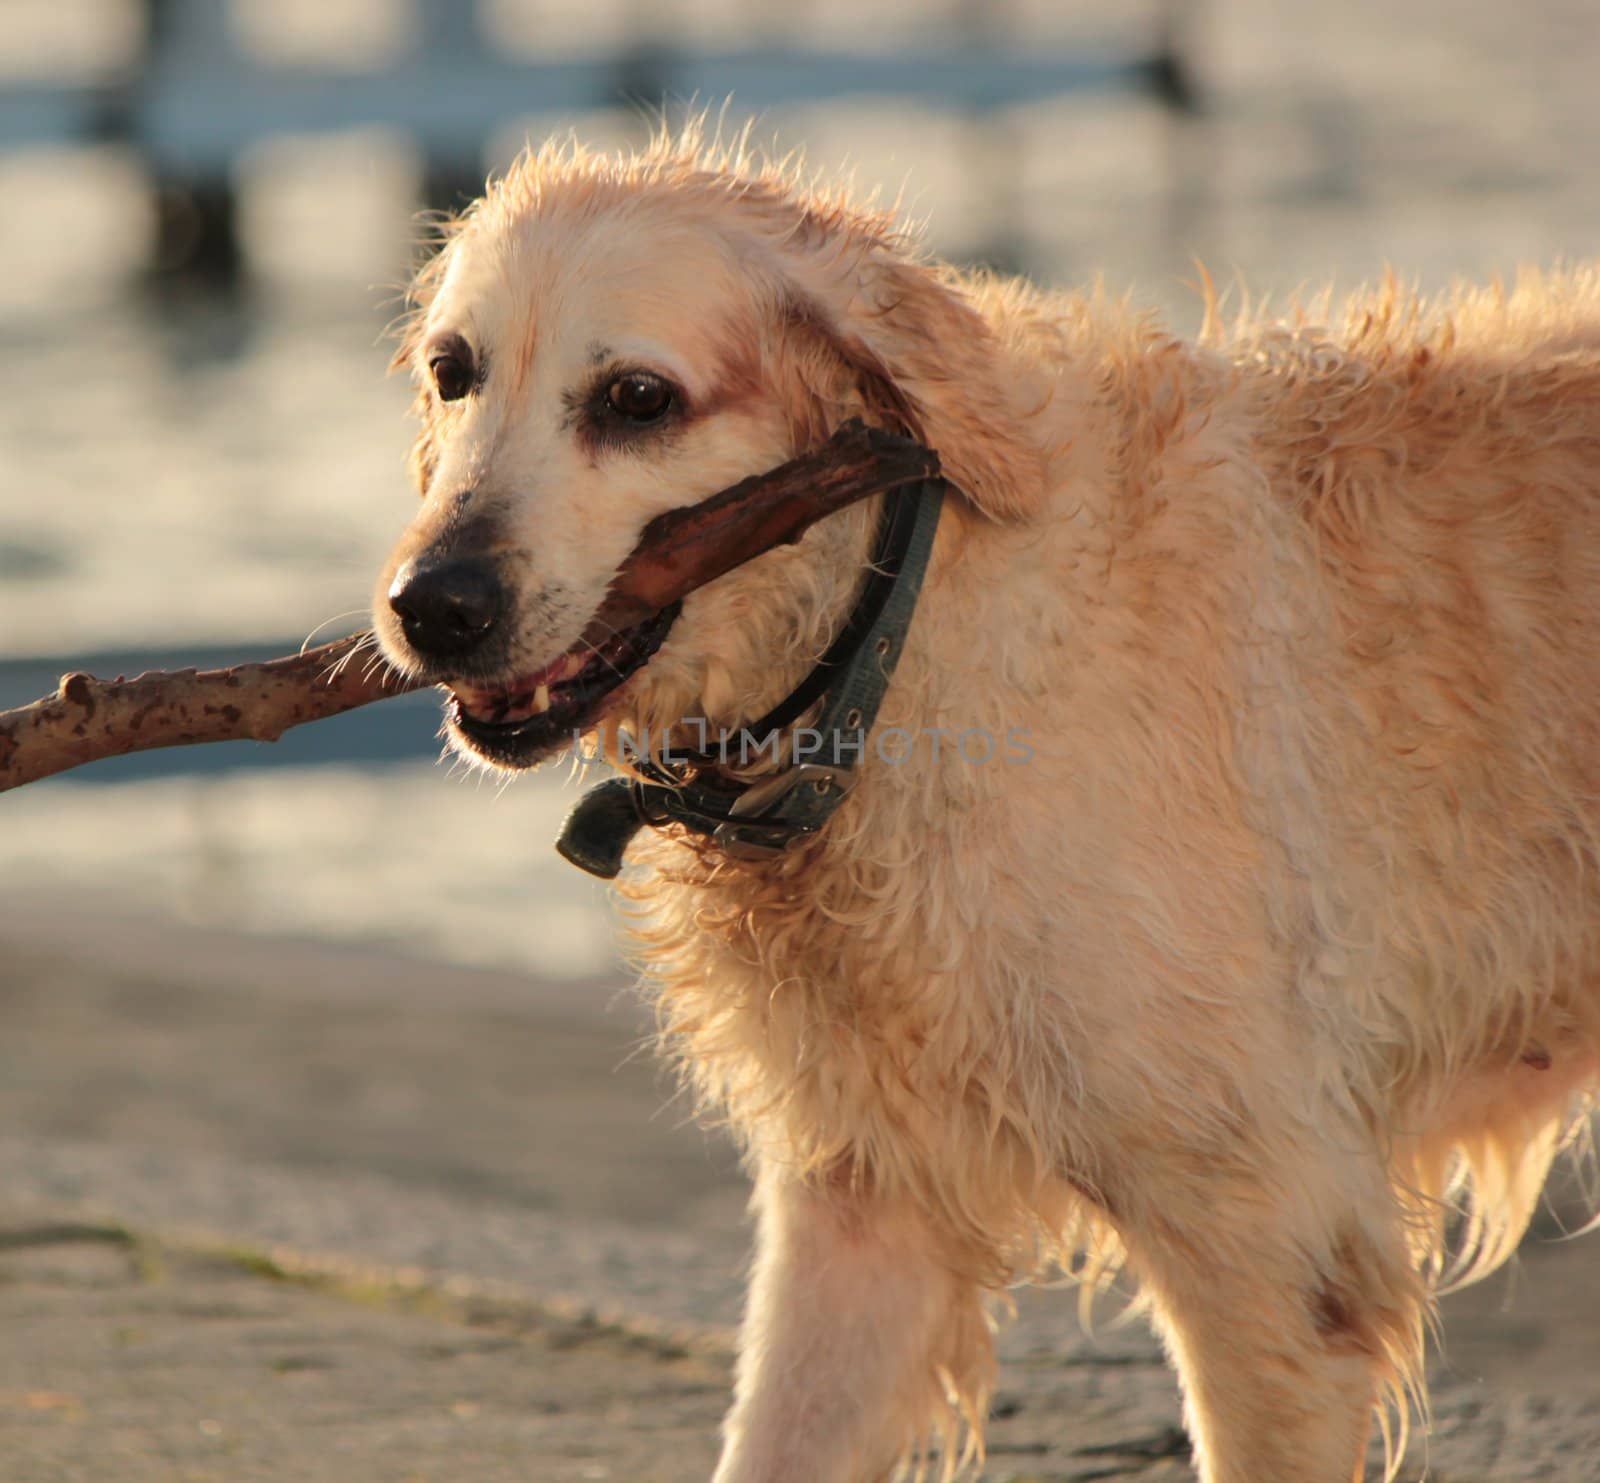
x=917, y=358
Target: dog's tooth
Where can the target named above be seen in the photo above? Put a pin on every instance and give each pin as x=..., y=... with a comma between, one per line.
x=541, y=698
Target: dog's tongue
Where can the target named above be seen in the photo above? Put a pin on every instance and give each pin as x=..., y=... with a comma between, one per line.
x=496, y=706
x=528, y=696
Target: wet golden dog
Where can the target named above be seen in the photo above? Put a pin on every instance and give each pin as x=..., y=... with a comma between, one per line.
x=1270, y=965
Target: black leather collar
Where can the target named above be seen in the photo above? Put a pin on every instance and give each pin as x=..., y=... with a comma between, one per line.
x=758, y=819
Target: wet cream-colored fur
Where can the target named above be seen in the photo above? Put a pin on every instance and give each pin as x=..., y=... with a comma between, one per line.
x=1263, y=954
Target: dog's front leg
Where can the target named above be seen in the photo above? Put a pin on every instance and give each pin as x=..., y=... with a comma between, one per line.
x=852, y=1330
x=1281, y=1309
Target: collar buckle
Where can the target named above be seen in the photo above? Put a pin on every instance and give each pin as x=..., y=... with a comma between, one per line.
x=750, y=833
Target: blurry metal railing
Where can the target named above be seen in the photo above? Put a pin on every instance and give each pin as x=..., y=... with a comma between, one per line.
x=195, y=101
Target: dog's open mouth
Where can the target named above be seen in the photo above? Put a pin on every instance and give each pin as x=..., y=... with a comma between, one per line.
x=528, y=718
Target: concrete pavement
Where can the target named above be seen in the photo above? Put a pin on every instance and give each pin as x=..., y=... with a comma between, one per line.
x=451, y=1225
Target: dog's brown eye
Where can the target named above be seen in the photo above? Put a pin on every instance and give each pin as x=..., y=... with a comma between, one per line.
x=453, y=374
x=639, y=396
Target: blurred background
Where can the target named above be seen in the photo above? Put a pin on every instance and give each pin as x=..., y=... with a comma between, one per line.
x=208, y=211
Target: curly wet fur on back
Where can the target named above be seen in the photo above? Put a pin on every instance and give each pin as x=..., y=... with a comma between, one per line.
x=1270, y=971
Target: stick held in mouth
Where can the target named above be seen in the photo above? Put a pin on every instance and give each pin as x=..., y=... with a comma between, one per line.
x=87, y=719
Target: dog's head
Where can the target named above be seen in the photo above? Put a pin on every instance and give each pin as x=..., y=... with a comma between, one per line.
x=599, y=341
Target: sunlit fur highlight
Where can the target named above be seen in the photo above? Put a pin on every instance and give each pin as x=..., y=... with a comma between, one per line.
x=1274, y=972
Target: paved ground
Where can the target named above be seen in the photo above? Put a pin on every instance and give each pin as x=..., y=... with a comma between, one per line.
x=132, y=1359
x=147, y=1365
x=436, y=1224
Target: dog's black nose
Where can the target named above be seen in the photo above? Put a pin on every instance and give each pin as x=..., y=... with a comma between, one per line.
x=447, y=608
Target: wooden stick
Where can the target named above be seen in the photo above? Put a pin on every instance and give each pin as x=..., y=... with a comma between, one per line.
x=87, y=719
x=688, y=547
x=677, y=552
